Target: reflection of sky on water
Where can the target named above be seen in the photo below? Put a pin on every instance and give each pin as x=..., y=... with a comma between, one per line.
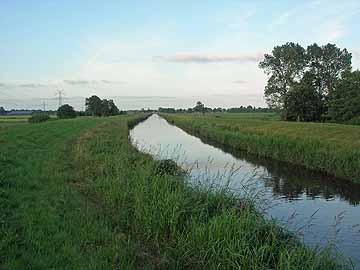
x=306, y=201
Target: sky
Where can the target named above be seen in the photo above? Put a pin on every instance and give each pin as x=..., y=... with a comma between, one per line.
x=157, y=53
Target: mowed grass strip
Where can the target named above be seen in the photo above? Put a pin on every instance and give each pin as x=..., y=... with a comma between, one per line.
x=45, y=222
x=331, y=148
x=75, y=194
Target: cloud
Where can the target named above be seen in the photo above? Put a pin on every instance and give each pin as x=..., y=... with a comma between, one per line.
x=106, y=81
x=356, y=53
x=32, y=85
x=24, y=85
x=78, y=82
x=282, y=19
x=88, y=82
x=240, y=82
x=324, y=21
x=332, y=31
x=74, y=83
x=356, y=58
x=110, y=82
x=203, y=58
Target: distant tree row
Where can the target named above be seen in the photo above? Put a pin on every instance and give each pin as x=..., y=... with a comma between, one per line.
x=100, y=107
x=201, y=108
x=312, y=84
x=94, y=106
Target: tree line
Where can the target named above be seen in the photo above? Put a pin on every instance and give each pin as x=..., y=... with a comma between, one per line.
x=312, y=84
x=94, y=106
x=201, y=108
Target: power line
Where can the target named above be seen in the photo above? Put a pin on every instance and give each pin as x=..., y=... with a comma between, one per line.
x=60, y=94
x=44, y=106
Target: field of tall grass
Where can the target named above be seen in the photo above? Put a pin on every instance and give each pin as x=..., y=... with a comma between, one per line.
x=330, y=148
x=75, y=194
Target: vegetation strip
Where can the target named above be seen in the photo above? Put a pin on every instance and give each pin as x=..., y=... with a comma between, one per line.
x=75, y=194
x=331, y=148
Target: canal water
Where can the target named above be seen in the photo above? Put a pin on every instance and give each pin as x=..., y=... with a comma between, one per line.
x=323, y=210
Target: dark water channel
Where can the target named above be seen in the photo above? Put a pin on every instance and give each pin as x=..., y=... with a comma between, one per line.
x=321, y=208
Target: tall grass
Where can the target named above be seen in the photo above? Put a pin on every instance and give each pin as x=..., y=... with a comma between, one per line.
x=183, y=227
x=75, y=194
x=331, y=148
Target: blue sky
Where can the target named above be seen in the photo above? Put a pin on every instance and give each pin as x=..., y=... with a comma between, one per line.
x=159, y=48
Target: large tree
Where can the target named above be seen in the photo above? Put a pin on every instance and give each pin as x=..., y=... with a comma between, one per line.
x=284, y=66
x=108, y=107
x=303, y=102
x=113, y=109
x=97, y=107
x=327, y=64
x=94, y=106
x=345, y=98
x=66, y=111
x=199, y=107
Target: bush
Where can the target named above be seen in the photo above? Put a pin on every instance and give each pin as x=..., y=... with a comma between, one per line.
x=66, y=111
x=38, y=118
x=168, y=166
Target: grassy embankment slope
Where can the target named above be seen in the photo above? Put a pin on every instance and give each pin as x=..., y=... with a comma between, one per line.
x=75, y=194
x=331, y=148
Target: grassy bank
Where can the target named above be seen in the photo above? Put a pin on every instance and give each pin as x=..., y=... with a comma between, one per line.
x=75, y=194
x=331, y=148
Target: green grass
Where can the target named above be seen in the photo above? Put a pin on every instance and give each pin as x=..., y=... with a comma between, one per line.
x=11, y=120
x=75, y=194
x=331, y=148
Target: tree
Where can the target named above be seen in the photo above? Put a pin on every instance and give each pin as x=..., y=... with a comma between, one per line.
x=327, y=64
x=94, y=106
x=344, y=101
x=105, y=108
x=2, y=111
x=287, y=67
x=199, y=107
x=284, y=66
x=303, y=101
x=97, y=107
x=167, y=110
x=108, y=107
x=66, y=111
x=113, y=109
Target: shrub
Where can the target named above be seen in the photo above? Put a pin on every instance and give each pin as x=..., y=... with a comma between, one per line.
x=168, y=166
x=38, y=118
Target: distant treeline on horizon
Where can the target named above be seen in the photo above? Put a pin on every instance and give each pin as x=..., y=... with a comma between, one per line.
x=218, y=109
x=160, y=109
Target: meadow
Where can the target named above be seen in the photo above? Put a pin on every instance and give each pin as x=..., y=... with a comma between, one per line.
x=4, y=120
x=75, y=194
x=330, y=148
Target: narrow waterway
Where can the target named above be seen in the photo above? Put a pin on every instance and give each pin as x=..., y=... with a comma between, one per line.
x=320, y=208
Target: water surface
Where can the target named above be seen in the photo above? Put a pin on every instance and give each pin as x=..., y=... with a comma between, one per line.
x=320, y=208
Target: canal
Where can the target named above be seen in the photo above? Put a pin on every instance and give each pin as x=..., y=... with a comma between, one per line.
x=323, y=210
